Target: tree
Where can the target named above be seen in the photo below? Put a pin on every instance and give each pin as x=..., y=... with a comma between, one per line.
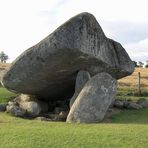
x=140, y=64
x=135, y=63
x=3, y=57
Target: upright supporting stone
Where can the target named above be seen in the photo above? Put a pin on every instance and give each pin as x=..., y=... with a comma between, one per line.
x=82, y=78
x=94, y=99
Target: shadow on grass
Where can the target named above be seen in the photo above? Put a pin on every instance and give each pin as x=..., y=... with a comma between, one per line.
x=131, y=117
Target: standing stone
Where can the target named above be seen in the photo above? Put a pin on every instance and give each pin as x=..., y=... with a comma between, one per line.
x=93, y=100
x=82, y=78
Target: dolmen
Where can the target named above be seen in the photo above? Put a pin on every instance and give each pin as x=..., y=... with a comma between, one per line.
x=76, y=62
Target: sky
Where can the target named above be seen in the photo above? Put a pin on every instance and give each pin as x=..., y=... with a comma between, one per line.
x=23, y=23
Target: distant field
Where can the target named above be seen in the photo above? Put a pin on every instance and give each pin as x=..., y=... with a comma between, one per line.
x=128, y=86
x=3, y=67
x=132, y=80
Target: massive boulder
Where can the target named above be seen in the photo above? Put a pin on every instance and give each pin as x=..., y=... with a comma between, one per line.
x=94, y=99
x=48, y=69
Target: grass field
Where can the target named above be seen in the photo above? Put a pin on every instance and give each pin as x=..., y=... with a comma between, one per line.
x=129, y=129
x=128, y=86
x=126, y=131
x=131, y=81
x=4, y=65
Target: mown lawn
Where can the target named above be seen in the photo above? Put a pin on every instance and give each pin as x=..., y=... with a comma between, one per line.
x=128, y=129
x=122, y=133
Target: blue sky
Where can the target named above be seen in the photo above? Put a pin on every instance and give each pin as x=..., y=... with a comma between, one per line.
x=25, y=22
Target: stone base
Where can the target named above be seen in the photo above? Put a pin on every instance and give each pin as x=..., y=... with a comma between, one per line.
x=94, y=100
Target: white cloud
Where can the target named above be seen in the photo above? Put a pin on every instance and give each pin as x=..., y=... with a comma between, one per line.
x=138, y=50
x=115, y=10
x=20, y=25
x=23, y=23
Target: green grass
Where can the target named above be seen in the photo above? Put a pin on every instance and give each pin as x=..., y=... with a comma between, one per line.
x=132, y=117
x=130, y=93
x=5, y=95
x=122, y=133
x=129, y=129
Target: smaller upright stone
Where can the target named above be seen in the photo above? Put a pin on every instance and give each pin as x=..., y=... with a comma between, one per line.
x=81, y=79
x=94, y=99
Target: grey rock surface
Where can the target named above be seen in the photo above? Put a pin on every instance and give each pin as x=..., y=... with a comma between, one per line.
x=31, y=104
x=2, y=107
x=81, y=79
x=49, y=69
x=143, y=102
x=31, y=107
x=94, y=99
x=15, y=110
x=132, y=105
x=26, y=105
x=119, y=103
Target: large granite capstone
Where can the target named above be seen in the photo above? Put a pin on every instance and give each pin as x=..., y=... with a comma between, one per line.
x=48, y=69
